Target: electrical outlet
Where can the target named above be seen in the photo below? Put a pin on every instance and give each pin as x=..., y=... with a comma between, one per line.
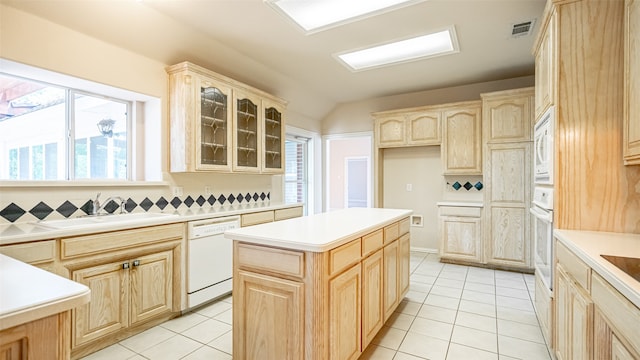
x=177, y=191
x=409, y=187
x=207, y=190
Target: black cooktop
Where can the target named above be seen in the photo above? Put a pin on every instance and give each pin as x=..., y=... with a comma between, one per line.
x=631, y=266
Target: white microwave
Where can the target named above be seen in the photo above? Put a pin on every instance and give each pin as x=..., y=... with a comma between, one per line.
x=543, y=148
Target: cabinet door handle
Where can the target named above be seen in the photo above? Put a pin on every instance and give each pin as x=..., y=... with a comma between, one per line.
x=125, y=265
x=136, y=262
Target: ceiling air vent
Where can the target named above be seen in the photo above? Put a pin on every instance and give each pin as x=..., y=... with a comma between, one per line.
x=522, y=28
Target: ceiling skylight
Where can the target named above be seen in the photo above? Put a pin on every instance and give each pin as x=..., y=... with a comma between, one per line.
x=316, y=15
x=421, y=47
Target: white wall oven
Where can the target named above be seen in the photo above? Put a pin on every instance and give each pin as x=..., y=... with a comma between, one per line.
x=542, y=211
x=543, y=148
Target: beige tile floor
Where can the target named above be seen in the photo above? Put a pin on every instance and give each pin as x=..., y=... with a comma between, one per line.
x=451, y=312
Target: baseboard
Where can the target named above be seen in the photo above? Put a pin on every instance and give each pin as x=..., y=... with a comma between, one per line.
x=424, y=250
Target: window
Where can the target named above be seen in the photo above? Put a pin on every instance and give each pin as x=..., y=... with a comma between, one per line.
x=50, y=132
x=348, y=171
x=296, y=174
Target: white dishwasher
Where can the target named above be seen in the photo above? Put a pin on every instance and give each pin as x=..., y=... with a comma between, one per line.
x=210, y=259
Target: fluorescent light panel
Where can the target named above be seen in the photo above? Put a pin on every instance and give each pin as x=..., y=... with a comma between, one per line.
x=430, y=45
x=317, y=15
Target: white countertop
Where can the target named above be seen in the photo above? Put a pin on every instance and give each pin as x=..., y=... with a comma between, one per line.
x=320, y=232
x=28, y=293
x=589, y=245
x=460, y=203
x=24, y=232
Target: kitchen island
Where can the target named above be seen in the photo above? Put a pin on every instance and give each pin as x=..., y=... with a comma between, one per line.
x=35, y=306
x=318, y=287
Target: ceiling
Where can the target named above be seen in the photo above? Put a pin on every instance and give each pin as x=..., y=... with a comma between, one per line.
x=251, y=42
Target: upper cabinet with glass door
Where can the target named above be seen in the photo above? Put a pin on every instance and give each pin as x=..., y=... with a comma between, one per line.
x=273, y=137
x=218, y=124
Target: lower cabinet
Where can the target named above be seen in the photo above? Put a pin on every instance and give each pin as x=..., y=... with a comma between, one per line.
x=132, y=275
x=391, y=294
x=344, y=314
x=574, y=312
x=460, y=233
x=372, y=310
x=269, y=306
x=44, y=338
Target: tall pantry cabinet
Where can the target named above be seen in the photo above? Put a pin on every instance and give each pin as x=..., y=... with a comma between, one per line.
x=507, y=128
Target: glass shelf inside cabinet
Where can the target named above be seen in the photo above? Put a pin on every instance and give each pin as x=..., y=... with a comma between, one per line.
x=273, y=137
x=247, y=128
x=213, y=126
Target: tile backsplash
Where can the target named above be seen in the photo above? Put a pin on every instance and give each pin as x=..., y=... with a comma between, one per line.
x=18, y=211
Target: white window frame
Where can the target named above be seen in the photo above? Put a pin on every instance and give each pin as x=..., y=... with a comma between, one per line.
x=144, y=164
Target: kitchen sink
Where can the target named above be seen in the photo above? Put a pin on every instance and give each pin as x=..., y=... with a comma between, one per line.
x=87, y=221
x=631, y=266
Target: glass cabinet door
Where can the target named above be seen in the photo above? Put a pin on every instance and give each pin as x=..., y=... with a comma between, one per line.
x=273, y=138
x=214, y=140
x=246, y=132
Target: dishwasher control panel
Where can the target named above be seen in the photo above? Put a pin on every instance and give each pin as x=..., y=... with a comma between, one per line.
x=218, y=226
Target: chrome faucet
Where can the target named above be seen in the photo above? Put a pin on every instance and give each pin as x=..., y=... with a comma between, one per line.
x=97, y=208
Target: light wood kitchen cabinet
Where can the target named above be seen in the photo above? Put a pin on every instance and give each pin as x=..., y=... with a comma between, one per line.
x=408, y=128
x=545, y=68
x=462, y=139
x=405, y=263
x=271, y=306
x=262, y=217
x=219, y=124
x=423, y=128
x=247, y=127
x=508, y=160
x=372, y=310
x=272, y=137
x=344, y=314
x=631, y=139
x=391, y=296
x=133, y=276
x=328, y=305
x=574, y=316
x=507, y=116
x=44, y=338
x=616, y=323
x=460, y=233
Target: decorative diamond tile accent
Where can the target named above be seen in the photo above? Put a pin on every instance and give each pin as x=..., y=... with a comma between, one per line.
x=468, y=186
x=111, y=207
x=211, y=200
x=41, y=210
x=247, y=197
x=231, y=198
x=256, y=197
x=12, y=212
x=66, y=209
x=87, y=207
x=478, y=186
x=146, y=204
x=240, y=198
x=456, y=185
x=188, y=201
x=175, y=202
x=269, y=195
x=130, y=205
x=162, y=203
x=222, y=199
x=200, y=200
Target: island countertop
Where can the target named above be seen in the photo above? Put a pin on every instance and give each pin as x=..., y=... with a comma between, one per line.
x=28, y=293
x=320, y=232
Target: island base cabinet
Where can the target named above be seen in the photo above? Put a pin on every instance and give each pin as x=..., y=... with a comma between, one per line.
x=390, y=286
x=270, y=315
x=46, y=338
x=344, y=315
x=372, y=314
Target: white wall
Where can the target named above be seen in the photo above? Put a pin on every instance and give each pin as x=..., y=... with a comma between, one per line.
x=421, y=167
